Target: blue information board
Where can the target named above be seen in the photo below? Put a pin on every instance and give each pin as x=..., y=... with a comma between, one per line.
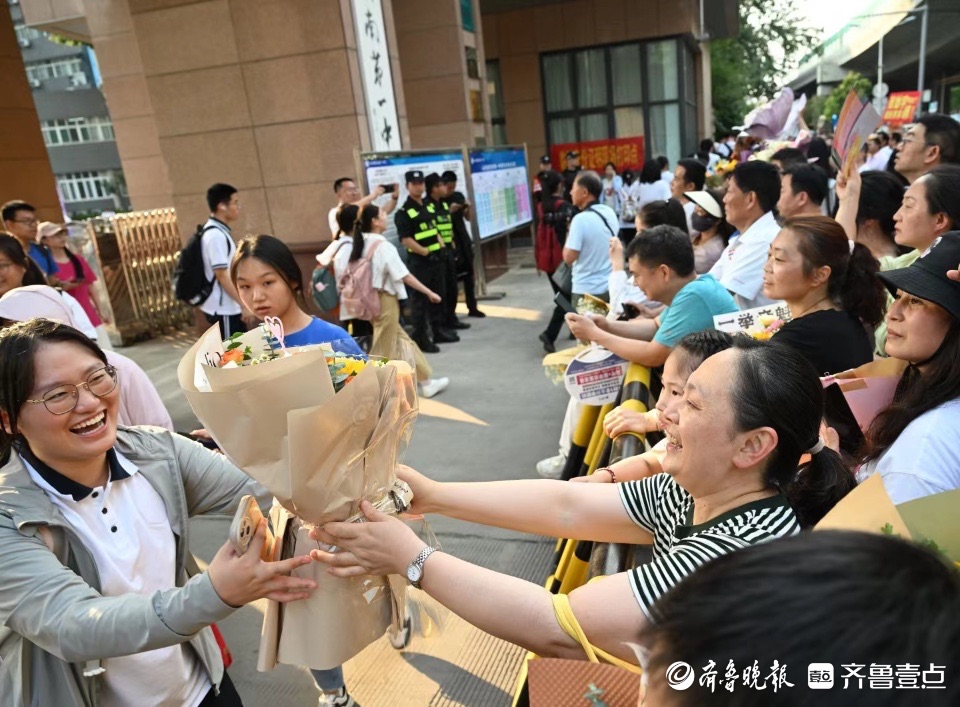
x=501, y=189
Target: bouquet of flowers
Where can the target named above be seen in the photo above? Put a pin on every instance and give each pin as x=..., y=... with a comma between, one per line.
x=768, y=327
x=321, y=430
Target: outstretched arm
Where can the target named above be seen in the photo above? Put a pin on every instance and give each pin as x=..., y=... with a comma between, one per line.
x=541, y=506
x=512, y=609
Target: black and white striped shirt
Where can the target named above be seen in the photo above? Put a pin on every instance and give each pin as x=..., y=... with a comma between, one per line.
x=661, y=506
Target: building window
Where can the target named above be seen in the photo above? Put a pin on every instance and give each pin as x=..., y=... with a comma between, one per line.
x=624, y=90
x=28, y=34
x=88, y=186
x=58, y=68
x=74, y=131
x=498, y=118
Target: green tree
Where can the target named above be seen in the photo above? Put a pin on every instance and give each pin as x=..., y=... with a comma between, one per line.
x=851, y=82
x=751, y=66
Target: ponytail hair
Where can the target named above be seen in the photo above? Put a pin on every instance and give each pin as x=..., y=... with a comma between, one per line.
x=775, y=386
x=363, y=225
x=853, y=283
x=346, y=219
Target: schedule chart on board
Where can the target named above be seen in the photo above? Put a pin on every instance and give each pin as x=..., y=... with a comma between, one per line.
x=500, y=189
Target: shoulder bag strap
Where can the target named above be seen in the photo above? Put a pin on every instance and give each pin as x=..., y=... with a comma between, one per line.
x=600, y=216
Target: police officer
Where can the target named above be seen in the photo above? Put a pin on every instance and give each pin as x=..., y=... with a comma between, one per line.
x=463, y=251
x=437, y=192
x=570, y=173
x=417, y=230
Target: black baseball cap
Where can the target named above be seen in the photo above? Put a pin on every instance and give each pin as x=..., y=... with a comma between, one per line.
x=572, y=153
x=927, y=277
x=448, y=177
x=414, y=175
x=432, y=180
x=545, y=159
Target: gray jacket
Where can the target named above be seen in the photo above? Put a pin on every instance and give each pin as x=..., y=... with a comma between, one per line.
x=55, y=627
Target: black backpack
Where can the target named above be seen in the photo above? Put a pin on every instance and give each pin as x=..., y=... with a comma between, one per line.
x=190, y=285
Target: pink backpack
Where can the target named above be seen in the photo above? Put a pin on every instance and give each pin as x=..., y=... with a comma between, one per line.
x=356, y=287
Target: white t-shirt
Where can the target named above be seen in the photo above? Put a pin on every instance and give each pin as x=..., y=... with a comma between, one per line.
x=925, y=459
x=740, y=267
x=590, y=234
x=125, y=527
x=338, y=253
x=80, y=319
x=667, y=176
x=658, y=191
x=332, y=221
x=218, y=248
x=688, y=210
x=386, y=267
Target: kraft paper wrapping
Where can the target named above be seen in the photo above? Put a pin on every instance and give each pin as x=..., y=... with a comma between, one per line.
x=319, y=453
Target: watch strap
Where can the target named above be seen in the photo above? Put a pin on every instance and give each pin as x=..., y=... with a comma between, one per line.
x=420, y=560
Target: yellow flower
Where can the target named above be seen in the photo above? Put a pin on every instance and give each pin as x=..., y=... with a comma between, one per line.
x=349, y=366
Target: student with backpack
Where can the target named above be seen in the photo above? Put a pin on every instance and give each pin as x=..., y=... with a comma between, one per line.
x=371, y=278
x=201, y=277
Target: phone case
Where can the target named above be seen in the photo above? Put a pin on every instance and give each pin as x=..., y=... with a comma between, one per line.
x=244, y=526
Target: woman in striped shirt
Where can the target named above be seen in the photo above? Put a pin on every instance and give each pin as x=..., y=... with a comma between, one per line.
x=731, y=480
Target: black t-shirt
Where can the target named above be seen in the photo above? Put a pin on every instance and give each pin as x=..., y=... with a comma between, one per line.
x=832, y=340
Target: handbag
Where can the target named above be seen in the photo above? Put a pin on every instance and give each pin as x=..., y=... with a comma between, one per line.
x=563, y=277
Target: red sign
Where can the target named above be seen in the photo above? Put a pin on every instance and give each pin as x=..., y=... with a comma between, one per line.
x=625, y=153
x=901, y=107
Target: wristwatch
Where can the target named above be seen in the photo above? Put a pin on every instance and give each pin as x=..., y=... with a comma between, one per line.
x=415, y=568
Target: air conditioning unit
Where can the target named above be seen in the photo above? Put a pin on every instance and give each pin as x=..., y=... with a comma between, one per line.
x=25, y=43
x=35, y=83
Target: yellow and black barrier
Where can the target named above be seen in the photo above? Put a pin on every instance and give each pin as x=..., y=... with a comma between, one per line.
x=576, y=562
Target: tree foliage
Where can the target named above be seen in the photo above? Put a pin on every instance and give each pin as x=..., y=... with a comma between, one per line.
x=751, y=66
x=851, y=82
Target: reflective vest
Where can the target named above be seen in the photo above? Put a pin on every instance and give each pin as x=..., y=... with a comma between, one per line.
x=444, y=222
x=426, y=235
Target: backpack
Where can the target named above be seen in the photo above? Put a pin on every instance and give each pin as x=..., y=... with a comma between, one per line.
x=356, y=287
x=190, y=285
x=324, y=283
x=551, y=231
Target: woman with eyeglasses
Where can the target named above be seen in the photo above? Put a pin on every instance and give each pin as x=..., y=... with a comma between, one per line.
x=96, y=602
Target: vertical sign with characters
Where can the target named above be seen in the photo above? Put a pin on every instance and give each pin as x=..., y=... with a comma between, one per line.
x=374, y=55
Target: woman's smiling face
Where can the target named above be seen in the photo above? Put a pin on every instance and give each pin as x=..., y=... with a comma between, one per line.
x=699, y=431
x=87, y=431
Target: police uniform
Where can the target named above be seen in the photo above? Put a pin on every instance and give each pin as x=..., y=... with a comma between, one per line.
x=417, y=220
x=444, y=221
x=463, y=254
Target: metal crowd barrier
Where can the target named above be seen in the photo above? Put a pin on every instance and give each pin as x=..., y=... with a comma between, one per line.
x=577, y=562
x=138, y=252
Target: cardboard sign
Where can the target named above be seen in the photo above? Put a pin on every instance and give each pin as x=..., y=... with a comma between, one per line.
x=595, y=376
x=901, y=107
x=748, y=321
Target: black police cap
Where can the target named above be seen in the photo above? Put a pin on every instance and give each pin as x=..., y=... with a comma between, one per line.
x=414, y=175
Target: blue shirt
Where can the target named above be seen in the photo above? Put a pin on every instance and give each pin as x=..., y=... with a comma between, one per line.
x=321, y=332
x=590, y=234
x=693, y=309
x=42, y=257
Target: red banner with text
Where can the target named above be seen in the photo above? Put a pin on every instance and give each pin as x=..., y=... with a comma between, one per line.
x=901, y=107
x=625, y=153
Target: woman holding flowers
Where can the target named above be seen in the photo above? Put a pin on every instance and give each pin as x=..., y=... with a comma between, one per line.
x=832, y=290
x=731, y=480
x=390, y=278
x=96, y=603
x=268, y=280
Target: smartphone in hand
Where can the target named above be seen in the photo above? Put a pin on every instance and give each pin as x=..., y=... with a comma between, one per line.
x=244, y=525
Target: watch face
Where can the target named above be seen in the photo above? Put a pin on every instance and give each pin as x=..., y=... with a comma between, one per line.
x=414, y=573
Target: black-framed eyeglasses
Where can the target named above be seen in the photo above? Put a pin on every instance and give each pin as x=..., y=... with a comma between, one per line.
x=63, y=398
x=27, y=221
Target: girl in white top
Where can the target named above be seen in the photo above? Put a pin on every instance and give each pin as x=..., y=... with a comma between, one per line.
x=651, y=186
x=390, y=277
x=913, y=443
